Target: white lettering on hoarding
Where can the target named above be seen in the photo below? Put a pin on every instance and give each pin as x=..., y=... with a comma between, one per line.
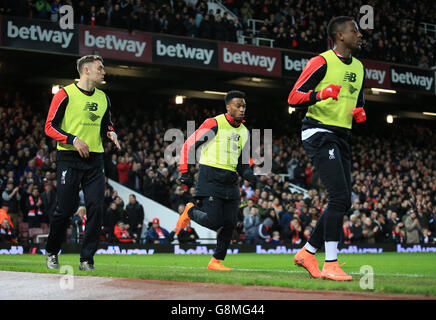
x=411, y=79
x=180, y=50
x=295, y=64
x=37, y=33
x=376, y=74
x=248, y=59
x=112, y=42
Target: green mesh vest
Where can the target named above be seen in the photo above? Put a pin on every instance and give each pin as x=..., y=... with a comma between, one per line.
x=350, y=77
x=83, y=116
x=224, y=150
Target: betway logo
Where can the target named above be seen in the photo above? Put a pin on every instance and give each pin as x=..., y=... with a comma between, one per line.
x=249, y=59
x=36, y=33
x=295, y=65
x=111, y=42
x=180, y=50
x=412, y=79
x=376, y=74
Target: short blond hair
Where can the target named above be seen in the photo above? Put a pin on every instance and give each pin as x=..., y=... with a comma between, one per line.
x=86, y=59
x=80, y=209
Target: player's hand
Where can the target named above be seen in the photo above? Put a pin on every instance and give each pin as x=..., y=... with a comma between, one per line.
x=331, y=91
x=113, y=136
x=186, y=179
x=359, y=115
x=81, y=147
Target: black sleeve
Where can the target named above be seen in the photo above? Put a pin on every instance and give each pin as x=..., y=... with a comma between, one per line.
x=106, y=122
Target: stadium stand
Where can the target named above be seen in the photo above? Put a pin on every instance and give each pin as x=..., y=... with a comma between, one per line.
x=405, y=33
x=392, y=177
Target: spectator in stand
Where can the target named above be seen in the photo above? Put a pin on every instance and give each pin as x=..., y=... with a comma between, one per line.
x=5, y=216
x=356, y=230
x=157, y=234
x=427, y=236
x=206, y=29
x=135, y=216
x=7, y=232
x=251, y=226
x=220, y=29
x=246, y=210
x=110, y=219
x=398, y=234
x=101, y=18
x=285, y=222
x=413, y=228
x=49, y=201
x=124, y=165
x=78, y=222
x=275, y=239
x=188, y=235
x=11, y=198
x=34, y=209
x=296, y=233
x=272, y=220
x=370, y=230
x=191, y=28
x=178, y=198
x=136, y=177
x=121, y=233
x=115, y=17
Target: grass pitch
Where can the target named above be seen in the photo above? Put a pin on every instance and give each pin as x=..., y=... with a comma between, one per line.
x=397, y=273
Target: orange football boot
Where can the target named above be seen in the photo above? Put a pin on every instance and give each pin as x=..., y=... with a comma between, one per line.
x=184, y=219
x=307, y=260
x=332, y=270
x=215, y=264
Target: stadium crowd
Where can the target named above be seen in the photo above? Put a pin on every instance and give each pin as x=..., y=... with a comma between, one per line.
x=294, y=24
x=393, y=178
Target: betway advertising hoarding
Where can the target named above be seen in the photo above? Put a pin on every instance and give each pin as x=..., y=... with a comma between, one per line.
x=185, y=52
x=293, y=63
x=38, y=35
x=42, y=35
x=115, y=44
x=248, y=59
x=412, y=79
x=377, y=75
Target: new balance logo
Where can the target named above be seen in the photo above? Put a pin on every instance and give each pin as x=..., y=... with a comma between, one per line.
x=332, y=154
x=350, y=76
x=91, y=106
x=235, y=137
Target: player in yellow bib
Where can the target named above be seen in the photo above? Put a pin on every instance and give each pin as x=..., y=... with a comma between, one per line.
x=223, y=156
x=78, y=118
x=331, y=87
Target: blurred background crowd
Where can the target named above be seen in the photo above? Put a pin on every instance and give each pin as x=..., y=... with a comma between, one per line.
x=393, y=177
x=393, y=172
